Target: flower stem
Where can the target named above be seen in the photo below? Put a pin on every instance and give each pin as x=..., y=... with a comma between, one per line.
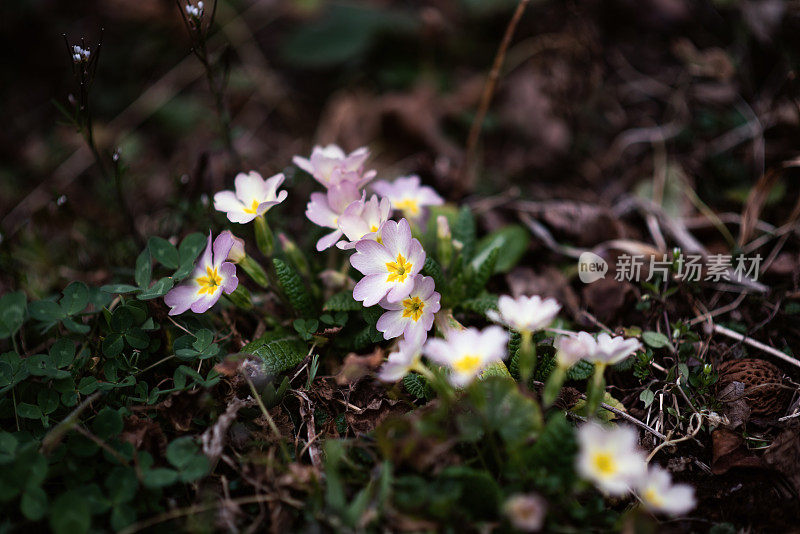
x=264, y=238
x=597, y=389
x=553, y=385
x=255, y=271
x=527, y=357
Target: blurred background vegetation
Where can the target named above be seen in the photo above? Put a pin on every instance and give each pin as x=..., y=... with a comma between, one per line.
x=596, y=99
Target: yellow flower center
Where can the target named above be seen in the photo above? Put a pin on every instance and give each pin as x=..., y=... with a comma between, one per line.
x=408, y=204
x=413, y=308
x=604, y=463
x=253, y=208
x=398, y=270
x=468, y=363
x=373, y=228
x=651, y=496
x=210, y=282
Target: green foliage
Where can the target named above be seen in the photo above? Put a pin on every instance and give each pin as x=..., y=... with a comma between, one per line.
x=12, y=313
x=278, y=349
x=512, y=241
x=342, y=301
x=295, y=289
x=580, y=371
x=343, y=34
x=417, y=386
x=434, y=270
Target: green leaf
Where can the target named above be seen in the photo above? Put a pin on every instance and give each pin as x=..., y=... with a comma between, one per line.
x=295, y=289
x=278, y=350
x=34, y=503
x=62, y=352
x=144, y=269
x=656, y=340
x=181, y=451
x=113, y=344
x=122, y=516
x=480, y=304
x=28, y=411
x=464, y=231
x=12, y=313
x=75, y=299
x=512, y=240
x=78, y=328
x=107, y=424
x=137, y=338
x=417, y=386
x=434, y=270
x=164, y=252
x=342, y=301
x=46, y=311
x=41, y=365
x=647, y=397
x=122, y=319
x=482, y=273
x=580, y=371
x=191, y=246
x=159, y=289
x=159, y=477
x=203, y=339
x=343, y=33
x=121, y=485
x=70, y=514
x=88, y=385
x=48, y=400
x=118, y=288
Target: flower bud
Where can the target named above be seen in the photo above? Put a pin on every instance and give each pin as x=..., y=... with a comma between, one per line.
x=237, y=252
x=526, y=512
x=442, y=228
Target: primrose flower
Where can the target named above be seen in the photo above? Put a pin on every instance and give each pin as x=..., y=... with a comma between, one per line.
x=467, y=352
x=212, y=276
x=413, y=314
x=610, y=457
x=388, y=267
x=659, y=494
x=571, y=349
x=605, y=350
x=407, y=195
x=326, y=208
x=363, y=220
x=330, y=166
x=253, y=197
x=525, y=314
x=404, y=360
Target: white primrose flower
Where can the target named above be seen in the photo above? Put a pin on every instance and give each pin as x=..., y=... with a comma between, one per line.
x=253, y=197
x=525, y=314
x=605, y=350
x=388, y=267
x=330, y=166
x=414, y=314
x=407, y=195
x=571, y=349
x=363, y=220
x=610, y=457
x=404, y=360
x=467, y=352
x=659, y=494
x=324, y=210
